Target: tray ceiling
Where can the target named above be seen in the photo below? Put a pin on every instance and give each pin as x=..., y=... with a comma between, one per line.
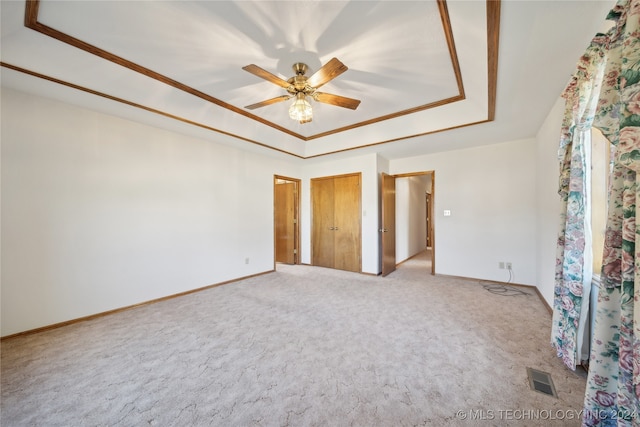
x=419, y=67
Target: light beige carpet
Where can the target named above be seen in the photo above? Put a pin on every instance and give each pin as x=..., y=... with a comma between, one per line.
x=303, y=346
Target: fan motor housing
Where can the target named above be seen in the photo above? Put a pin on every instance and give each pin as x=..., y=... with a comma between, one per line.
x=299, y=81
x=299, y=68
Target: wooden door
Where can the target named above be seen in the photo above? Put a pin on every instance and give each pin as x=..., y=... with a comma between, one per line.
x=429, y=228
x=285, y=222
x=336, y=222
x=347, y=219
x=322, y=222
x=388, y=229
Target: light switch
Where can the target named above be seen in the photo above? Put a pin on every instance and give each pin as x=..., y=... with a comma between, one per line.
x=447, y=212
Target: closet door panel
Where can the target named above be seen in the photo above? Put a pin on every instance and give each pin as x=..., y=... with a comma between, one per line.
x=347, y=223
x=323, y=223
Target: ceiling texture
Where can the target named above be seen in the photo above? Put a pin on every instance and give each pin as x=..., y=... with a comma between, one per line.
x=430, y=75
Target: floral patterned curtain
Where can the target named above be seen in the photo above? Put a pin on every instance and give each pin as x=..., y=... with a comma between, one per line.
x=613, y=385
x=574, y=256
x=612, y=397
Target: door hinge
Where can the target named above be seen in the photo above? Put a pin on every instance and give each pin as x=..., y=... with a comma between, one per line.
x=295, y=221
x=295, y=251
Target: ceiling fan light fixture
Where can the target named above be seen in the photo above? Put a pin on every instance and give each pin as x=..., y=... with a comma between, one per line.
x=302, y=86
x=301, y=110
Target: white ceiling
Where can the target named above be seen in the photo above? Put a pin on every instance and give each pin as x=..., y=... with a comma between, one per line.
x=396, y=52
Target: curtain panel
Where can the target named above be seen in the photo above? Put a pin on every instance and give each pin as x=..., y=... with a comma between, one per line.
x=613, y=384
x=612, y=396
x=574, y=255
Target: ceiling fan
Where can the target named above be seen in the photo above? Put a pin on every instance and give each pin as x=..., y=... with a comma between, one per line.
x=300, y=86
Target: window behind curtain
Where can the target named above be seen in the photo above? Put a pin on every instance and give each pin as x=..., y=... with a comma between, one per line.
x=600, y=160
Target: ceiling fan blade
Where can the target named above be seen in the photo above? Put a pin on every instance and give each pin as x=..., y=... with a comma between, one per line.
x=327, y=72
x=264, y=74
x=337, y=100
x=268, y=102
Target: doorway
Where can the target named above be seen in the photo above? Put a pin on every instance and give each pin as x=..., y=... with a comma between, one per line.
x=407, y=219
x=286, y=203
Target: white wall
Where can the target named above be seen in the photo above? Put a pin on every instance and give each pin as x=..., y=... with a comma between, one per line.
x=100, y=213
x=411, y=214
x=548, y=200
x=490, y=192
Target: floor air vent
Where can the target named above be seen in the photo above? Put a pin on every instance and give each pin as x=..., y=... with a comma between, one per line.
x=541, y=382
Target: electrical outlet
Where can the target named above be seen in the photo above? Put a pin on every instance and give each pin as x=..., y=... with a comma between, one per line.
x=246, y=260
x=508, y=265
x=501, y=265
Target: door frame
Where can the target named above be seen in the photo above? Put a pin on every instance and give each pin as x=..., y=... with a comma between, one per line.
x=296, y=216
x=431, y=211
